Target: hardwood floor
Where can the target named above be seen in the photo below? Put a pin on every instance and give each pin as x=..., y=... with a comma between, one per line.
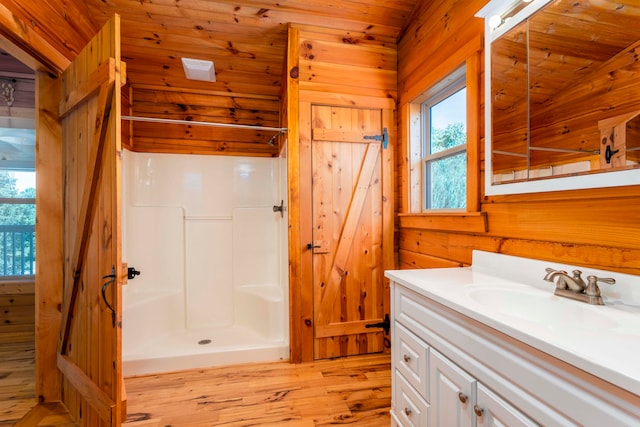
x=354, y=391
x=17, y=376
x=17, y=350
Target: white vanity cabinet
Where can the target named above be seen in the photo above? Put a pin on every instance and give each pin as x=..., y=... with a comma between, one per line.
x=452, y=393
x=496, y=411
x=455, y=369
x=431, y=390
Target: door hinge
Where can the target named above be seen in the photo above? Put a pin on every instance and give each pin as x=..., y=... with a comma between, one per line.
x=384, y=138
x=385, y=324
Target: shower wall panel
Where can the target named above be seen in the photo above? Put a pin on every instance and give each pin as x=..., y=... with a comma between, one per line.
x=201, y=226
x=255, y=246
x=209, y=276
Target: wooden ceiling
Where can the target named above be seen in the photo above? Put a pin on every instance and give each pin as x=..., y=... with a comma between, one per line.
x=247, y=42
x=245, y=39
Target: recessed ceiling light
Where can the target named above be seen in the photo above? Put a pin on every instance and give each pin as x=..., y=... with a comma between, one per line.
x=196, y=69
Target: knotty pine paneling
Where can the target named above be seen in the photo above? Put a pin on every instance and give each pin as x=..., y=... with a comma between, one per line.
x=435, y=30
x=66, y=26
x=338, y=62
x=204, y=106
x=247, y=42
x=17, y=312
x=591, y=228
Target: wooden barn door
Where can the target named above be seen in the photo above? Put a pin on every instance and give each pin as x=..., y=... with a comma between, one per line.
x=89, y=352
x=347, y=230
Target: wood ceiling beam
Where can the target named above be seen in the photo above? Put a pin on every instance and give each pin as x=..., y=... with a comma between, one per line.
x=24, y=44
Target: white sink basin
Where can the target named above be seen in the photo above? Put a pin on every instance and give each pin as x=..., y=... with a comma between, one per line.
x=509, y=295
x=534, y=305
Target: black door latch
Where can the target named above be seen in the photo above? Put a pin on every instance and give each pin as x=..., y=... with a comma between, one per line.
x=608, y=153
x=132, y=273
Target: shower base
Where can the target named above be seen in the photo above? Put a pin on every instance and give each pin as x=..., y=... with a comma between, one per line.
x=182, y=349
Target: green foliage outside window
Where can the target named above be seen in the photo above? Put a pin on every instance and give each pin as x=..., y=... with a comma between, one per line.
x=17, y=224
x=16, y=214
x=448, y=175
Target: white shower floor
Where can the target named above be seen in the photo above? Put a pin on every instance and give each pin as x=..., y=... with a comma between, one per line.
x=199, y=348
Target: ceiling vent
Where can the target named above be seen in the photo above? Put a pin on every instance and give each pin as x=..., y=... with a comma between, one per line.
x=196, y=69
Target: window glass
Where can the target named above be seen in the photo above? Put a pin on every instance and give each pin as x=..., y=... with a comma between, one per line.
x=444, y=147
x=448, y=189
x=448, y=122
x=17, y=223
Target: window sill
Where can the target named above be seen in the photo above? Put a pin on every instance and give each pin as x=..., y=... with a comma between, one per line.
x=469, y=222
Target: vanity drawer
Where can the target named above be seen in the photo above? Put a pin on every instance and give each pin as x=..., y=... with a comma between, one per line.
x=411, y=359
x=409, y=409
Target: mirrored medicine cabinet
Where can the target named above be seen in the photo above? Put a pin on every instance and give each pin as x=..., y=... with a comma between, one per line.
x=562, y=95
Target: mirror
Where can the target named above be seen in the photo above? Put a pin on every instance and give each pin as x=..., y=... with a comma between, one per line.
x=563, y=95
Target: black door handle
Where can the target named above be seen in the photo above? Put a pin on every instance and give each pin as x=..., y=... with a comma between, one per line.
x=311, y=246
x=112, y=279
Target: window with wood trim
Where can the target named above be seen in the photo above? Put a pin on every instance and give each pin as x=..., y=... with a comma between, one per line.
x=443, y=148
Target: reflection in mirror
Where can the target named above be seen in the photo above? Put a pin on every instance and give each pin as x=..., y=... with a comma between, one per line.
x=509, y=106
x=565, y=91
x=633, y=140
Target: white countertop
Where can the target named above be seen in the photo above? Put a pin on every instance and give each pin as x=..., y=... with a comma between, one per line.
x=508, y=294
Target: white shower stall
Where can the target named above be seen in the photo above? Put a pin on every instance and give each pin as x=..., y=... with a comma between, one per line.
x=213, y=261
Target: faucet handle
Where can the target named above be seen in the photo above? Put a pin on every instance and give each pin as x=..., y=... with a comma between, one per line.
x=592, y=286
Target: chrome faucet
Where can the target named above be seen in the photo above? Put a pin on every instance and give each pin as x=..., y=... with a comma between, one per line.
x=575, y=288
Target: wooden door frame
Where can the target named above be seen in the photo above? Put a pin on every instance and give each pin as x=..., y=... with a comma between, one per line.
x=17, y=39
x=300, y=218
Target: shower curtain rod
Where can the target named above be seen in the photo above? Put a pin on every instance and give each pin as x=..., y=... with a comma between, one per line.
x=196, y=123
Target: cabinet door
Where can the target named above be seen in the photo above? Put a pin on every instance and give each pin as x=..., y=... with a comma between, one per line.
x=496, y=412
x=452, y=393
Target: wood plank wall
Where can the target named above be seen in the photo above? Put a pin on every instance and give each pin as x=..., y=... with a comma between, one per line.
x=204, y=106
x=593, y=228
x=326, y=67
x=343, y=66
x=17, y=317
